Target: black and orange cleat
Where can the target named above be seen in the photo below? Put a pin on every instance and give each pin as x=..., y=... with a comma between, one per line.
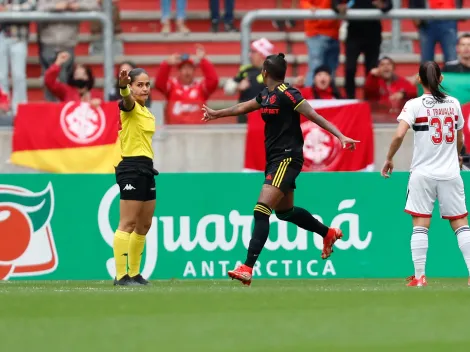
x=415, y=282
x=331, y=237
x=243, y=273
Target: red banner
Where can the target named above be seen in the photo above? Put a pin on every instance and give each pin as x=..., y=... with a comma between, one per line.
x=322, y=151
x=69, y=137
x=466, y=128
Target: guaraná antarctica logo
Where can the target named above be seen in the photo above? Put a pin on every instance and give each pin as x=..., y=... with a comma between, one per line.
x=27, y=245
x=208, y=246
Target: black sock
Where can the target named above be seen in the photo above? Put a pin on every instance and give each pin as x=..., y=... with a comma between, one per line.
x=302, y=218
x=260, y=233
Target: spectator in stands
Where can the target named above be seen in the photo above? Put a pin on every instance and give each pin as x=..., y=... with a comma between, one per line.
x=185, y=94
x=4, y=102
x=5, y=115
x=228, y=19
x=249, y=81
x=115, y=95
x=180, y=16
x=462, y=65
x=434, y=31
x=97, y=46
x=55, y=37
x=289, y=23
x=323, y=86
x=364, y=36
x=383, y=86
x=79, y=86
x=14, y=51
x=321, y=39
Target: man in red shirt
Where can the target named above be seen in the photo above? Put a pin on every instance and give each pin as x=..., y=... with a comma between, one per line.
x=321, y=39
x=186, y=94
x=383, y=86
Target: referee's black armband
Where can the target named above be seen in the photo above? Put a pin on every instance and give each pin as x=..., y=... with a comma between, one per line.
x=123, y=108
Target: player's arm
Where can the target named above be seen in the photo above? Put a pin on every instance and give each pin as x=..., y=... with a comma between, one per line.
x=128, y=101
x=397, y=140
x=305, y=109
x=239, y=109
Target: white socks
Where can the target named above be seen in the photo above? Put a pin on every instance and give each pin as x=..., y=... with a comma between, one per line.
x=419, y=248
x=463, y=238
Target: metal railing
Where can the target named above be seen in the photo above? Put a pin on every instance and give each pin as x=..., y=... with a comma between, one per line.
x=105, y=17
x=399, y=14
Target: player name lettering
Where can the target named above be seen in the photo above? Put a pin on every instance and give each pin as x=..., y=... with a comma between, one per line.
x=270, y=111
x=443, y=111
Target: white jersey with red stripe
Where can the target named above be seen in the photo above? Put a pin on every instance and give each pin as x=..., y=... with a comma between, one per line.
x=435, y=128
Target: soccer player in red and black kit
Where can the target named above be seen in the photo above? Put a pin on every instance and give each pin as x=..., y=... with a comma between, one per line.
x=281, y=107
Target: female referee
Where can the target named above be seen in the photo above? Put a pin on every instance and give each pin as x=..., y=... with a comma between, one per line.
x=135, y=176
x=281, y=107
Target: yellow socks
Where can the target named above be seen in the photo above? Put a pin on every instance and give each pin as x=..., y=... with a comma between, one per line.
x=136, y=248
x=120, y=247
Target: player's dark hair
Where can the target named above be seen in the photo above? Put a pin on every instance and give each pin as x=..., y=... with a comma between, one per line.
x=430, y=75
x=463, y=36
x=276, y=66
x=135, y=72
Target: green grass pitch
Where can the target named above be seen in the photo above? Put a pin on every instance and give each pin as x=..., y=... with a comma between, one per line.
x=223, y=316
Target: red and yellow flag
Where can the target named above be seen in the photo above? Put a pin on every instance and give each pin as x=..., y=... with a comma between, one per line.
x=71, y=137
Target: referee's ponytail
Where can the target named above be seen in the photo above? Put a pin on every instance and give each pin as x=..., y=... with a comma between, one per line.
x=430, y=76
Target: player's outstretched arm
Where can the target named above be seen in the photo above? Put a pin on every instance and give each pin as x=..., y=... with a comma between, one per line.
x=394, y=146
x=239, y=109
x=306, y=110
x=127, y=99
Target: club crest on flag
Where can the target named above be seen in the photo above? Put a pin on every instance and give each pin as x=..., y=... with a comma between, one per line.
x=82, y=123
x=320, y=147
x=27, y=245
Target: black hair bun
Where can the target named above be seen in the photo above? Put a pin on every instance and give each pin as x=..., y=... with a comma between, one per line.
x=281, y=55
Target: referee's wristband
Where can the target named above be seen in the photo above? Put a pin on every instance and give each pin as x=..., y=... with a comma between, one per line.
x=124, y=92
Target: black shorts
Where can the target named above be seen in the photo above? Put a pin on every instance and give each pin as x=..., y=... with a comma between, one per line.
x=136, y=178
x=282, y=173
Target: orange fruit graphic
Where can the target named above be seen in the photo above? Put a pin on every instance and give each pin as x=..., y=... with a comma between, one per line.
x=15, y=234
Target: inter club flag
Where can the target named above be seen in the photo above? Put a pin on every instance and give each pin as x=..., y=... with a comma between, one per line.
x=69, y=137
x=466, y=127
x=322, y=151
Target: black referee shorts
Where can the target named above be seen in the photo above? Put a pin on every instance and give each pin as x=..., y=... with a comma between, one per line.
x=282, y=173
x=136, y=178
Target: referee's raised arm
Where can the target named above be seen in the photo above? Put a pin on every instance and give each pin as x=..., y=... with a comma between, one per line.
x=127, y=99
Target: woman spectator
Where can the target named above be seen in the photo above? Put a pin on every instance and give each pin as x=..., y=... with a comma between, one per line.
x=323, y=86
x=127, y=66
x=79, y=86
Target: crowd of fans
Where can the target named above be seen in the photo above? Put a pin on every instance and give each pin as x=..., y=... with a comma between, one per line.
x=186, y=92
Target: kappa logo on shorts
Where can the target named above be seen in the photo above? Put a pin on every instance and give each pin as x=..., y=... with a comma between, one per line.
x=128, y=187
x=269, y=177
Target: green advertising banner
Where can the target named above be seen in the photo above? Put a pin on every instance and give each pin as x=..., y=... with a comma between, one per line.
x=456, y=85
x=61, y=227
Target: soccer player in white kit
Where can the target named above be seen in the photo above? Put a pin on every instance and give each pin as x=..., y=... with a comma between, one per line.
x=437, y=122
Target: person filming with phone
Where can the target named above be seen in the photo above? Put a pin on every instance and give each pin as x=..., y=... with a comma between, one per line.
x=186, y=93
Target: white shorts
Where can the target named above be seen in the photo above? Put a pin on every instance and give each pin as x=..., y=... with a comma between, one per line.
x=423, y=191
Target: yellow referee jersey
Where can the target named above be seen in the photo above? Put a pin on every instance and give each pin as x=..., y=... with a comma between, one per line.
x=137, y=129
